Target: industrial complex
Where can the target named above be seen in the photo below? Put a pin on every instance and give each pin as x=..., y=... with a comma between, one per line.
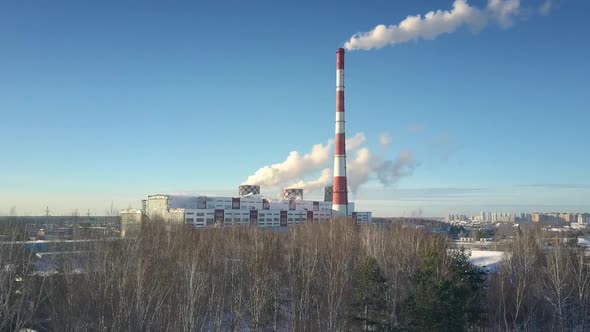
x=249, y=207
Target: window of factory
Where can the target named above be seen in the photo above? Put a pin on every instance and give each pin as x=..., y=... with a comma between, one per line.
x=228, y=220
x=276, y=219
x=190, y=220
x=200, y=219
x=290, y=219
x=228, y=207
x=200, y=214
x=209, y=221
x=261, y=215
x=190, y=213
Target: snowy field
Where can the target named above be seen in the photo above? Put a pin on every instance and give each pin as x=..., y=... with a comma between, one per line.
x=488, y=260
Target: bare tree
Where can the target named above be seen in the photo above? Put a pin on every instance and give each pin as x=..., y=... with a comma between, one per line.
x=341, y=251
x=557, y=282
x=20, y=291
x=581, y=288
x=302, y=259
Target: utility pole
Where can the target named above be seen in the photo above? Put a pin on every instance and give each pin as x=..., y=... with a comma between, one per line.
x=47, y=214
x=111, y=215
x=75, y=215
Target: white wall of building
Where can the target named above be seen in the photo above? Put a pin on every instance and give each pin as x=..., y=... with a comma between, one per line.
x=201, y=211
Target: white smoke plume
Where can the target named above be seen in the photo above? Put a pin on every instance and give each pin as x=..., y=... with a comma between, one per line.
x=504, y=11
x=436, y=23
x=360, y=169
x=385, y=139
x=547, y=6
x=294, y=167
x=314, y=185
x=355, y=141
x=390, y=171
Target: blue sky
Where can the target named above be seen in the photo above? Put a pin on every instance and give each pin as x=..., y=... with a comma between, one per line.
x=111, y=101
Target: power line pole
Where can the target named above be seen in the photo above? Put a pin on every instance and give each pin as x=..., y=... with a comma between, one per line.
x=47, y=214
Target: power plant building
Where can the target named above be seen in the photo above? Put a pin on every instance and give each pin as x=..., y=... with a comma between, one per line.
x=249, y=209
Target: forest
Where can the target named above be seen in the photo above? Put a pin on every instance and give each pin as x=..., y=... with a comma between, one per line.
x=332, y=276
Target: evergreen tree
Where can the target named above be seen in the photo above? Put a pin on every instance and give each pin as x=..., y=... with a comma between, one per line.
x=369, y=306
x=448, y=297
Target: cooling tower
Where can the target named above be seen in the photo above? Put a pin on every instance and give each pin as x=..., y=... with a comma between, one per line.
x=328, y=190
x=246, y=190
x=292, y=194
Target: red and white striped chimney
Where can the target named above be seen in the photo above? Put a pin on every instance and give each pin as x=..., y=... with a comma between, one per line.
x=340, y=193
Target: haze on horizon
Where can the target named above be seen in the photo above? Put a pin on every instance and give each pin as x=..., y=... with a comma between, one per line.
x=473, y=105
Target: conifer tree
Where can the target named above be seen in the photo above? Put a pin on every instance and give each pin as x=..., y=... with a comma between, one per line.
x=369, y=306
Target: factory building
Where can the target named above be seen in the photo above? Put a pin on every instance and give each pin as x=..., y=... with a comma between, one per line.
x=249, y=209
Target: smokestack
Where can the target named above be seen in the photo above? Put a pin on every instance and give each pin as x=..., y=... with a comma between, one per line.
x=340, y=191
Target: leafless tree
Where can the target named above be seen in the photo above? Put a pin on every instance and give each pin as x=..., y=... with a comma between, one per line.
x=581, y=288
x=20, y=290
x=340, y=251
x=557, y=283
x=302, y=262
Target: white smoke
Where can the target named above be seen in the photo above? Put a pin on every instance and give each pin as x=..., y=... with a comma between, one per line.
x=436, y=23
x=385, y=139
x=355, y=141
x=504, y=11
x=546, y=7
x=314, y=185
x=390, y=171
x=294, y=167
x=360, y=169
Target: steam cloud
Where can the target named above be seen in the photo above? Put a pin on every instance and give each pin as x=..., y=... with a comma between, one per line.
x=385, y=139
x=360, y=169
x=436, y=23
x=390, y=171
x=547, y=6
x=294, y=167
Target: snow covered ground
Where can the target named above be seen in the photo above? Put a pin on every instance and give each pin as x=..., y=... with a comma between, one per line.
x=488, y=260
x=583, y=242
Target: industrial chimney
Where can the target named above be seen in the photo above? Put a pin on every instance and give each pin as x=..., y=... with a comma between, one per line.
x=340, y=191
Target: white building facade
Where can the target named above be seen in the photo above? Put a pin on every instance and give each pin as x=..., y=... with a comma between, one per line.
x=254, y=210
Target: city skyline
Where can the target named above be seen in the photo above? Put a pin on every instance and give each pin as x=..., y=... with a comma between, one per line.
x=109, y=104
